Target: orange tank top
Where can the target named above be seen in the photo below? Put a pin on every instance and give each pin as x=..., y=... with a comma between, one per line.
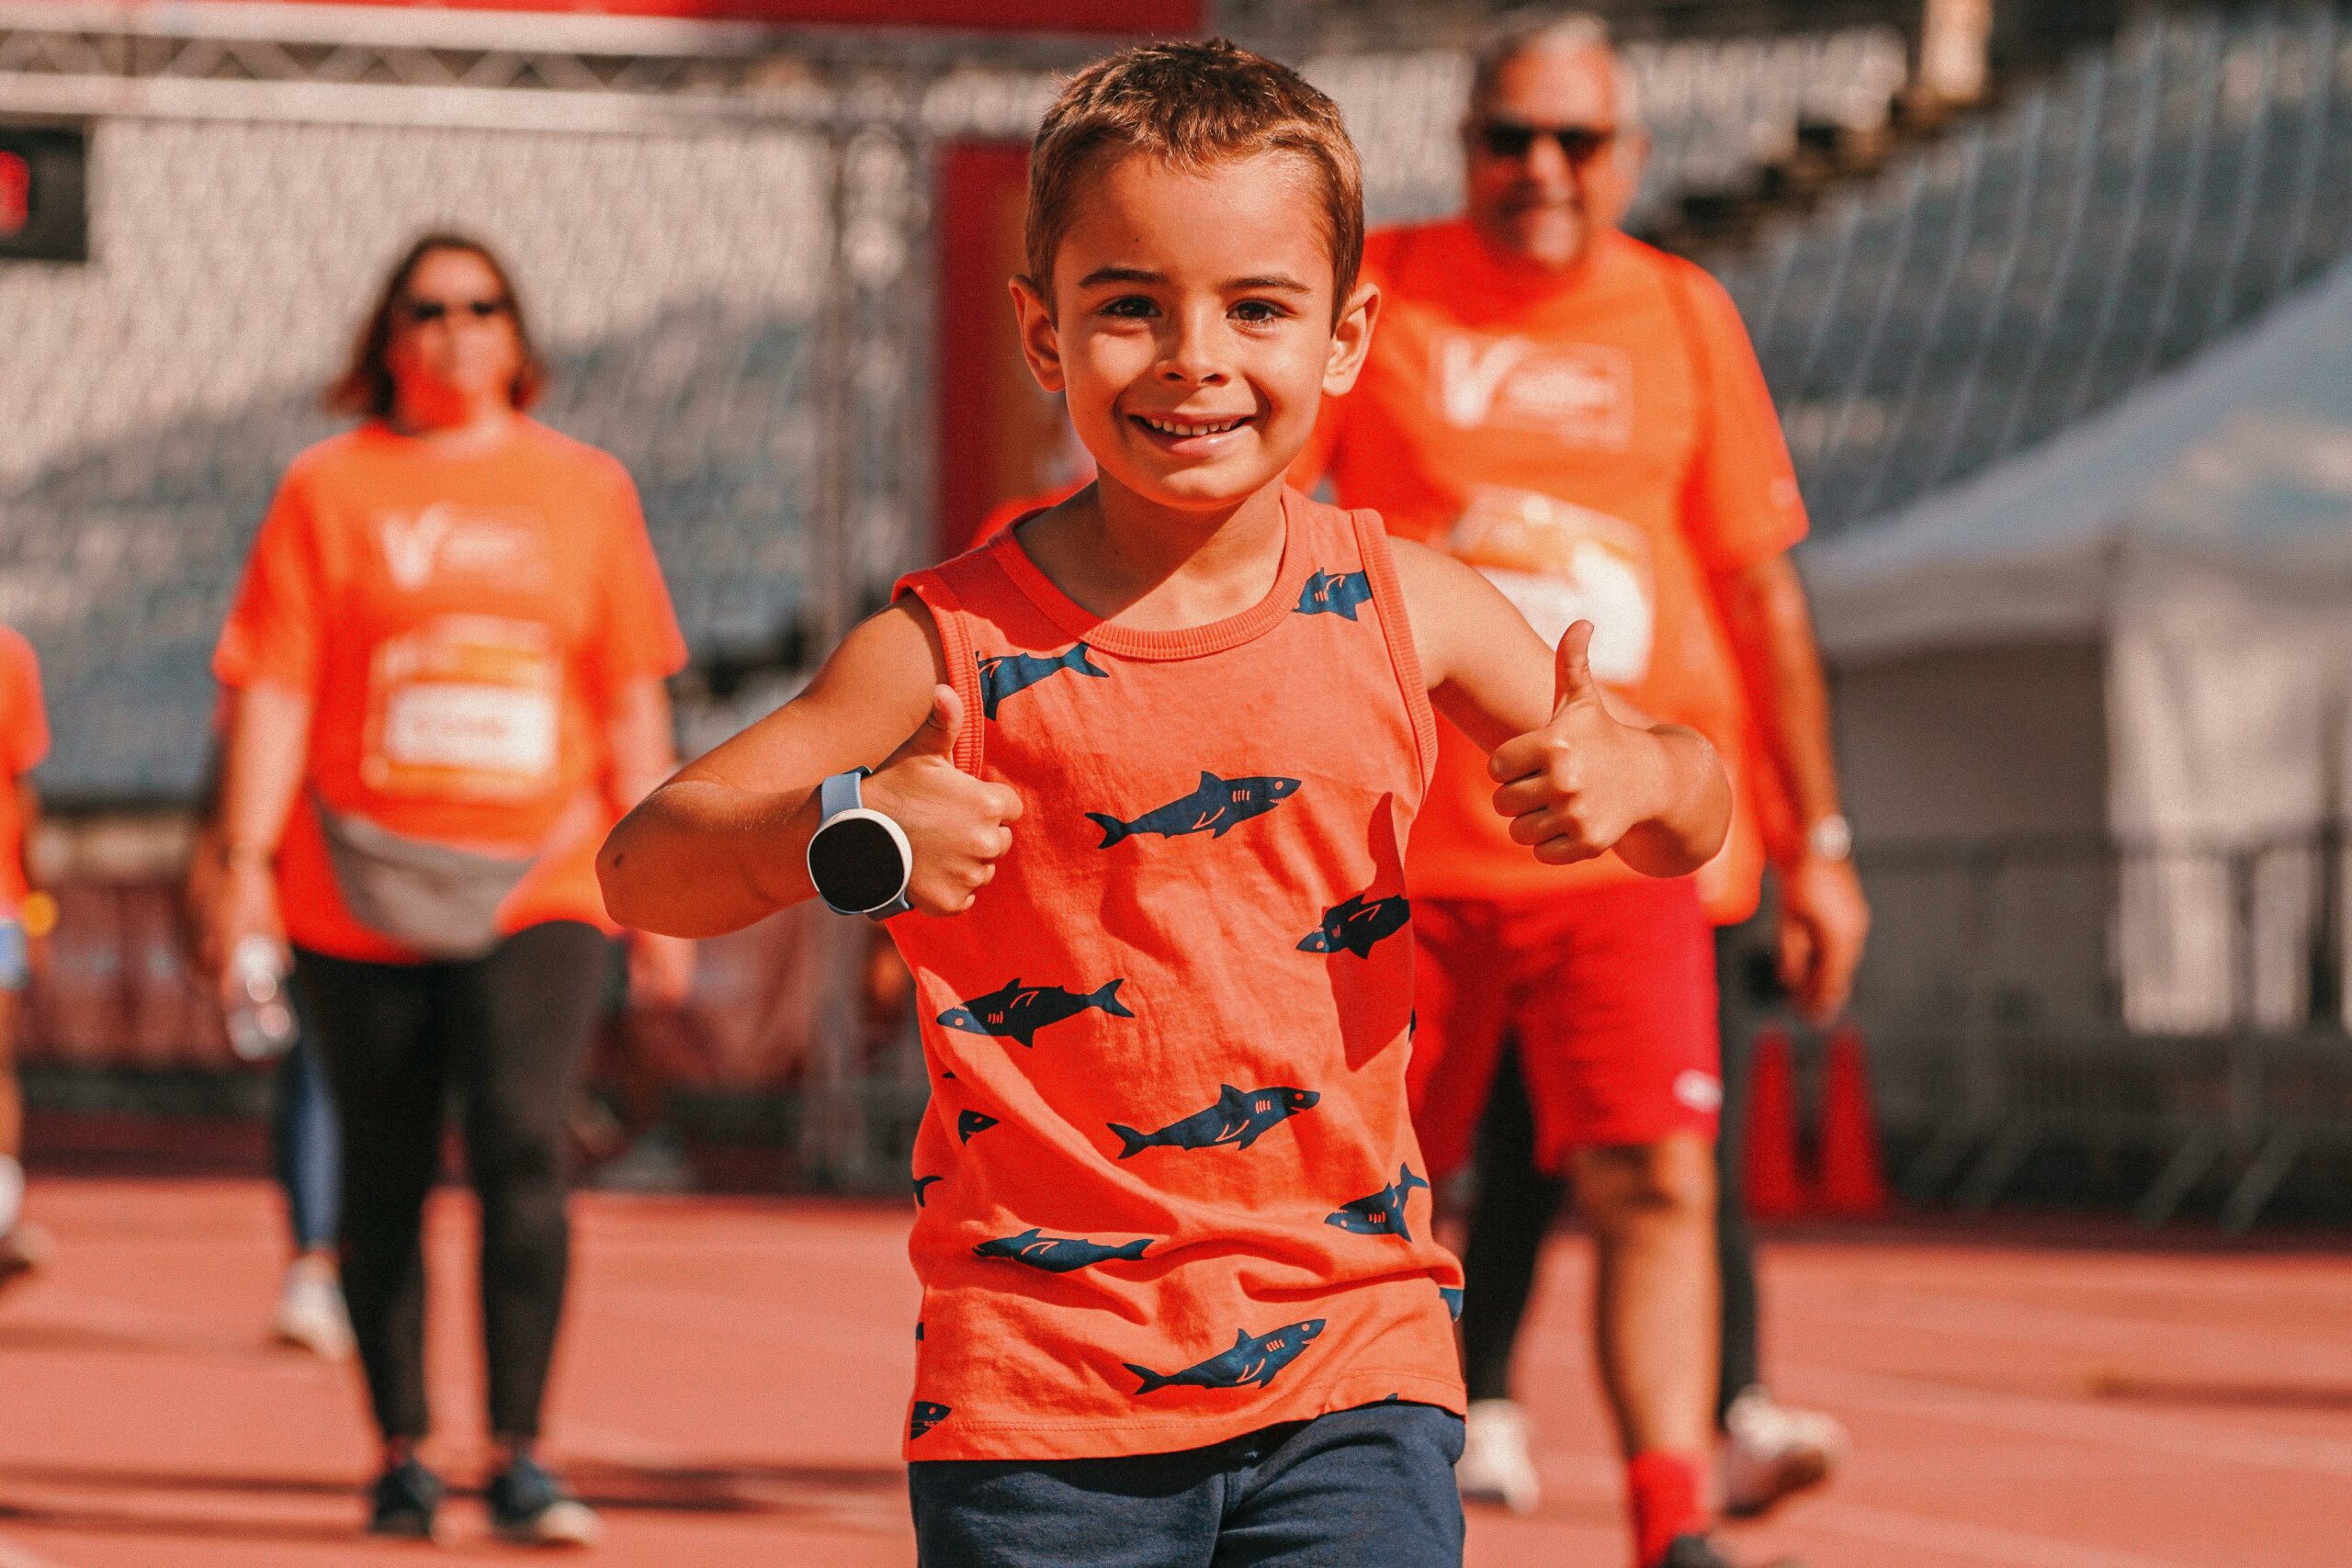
x=1167, y=1189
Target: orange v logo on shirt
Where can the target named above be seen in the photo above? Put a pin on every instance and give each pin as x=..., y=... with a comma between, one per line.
x=1470, y=371
x=492, y=544
x=1581, y=394
x=410, y=543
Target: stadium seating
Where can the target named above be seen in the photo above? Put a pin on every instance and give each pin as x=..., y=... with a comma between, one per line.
x=1717, y=110
x=2045, y=261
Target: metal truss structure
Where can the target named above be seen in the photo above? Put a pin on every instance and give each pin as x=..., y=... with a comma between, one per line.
x=342, y=64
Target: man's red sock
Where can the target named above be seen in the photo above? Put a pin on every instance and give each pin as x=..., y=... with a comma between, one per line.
x=1663, y=1491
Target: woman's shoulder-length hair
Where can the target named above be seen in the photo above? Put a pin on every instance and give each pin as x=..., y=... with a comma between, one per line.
x=365, y=388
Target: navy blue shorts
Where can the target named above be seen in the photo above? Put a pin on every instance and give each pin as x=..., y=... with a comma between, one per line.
x=1370, y=1487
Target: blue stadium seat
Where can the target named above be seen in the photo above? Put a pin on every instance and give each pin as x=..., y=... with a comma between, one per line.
x=1988, y=291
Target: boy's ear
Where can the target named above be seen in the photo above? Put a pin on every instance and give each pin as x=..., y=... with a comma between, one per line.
x=1040, y=342
x=1350, y=339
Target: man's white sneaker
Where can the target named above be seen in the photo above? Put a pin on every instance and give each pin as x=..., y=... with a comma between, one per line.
x=1772, y=1452
x=1496, y=1465
x=311, y=1311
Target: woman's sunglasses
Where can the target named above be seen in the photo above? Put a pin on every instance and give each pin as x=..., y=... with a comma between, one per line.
x=423, y=310
x=1580, y=145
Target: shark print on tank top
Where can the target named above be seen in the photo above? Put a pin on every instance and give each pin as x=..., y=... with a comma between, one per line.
x=1167, y=1043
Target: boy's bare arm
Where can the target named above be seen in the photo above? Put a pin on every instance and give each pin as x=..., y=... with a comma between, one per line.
x=1577, y=773
x=725, y=840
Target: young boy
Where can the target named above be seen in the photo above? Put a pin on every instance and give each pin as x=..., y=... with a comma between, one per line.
x=1148, y=762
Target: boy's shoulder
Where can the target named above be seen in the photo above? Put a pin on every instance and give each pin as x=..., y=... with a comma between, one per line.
x=960, y=575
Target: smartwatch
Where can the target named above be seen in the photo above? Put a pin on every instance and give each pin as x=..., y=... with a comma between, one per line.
x=858, y=859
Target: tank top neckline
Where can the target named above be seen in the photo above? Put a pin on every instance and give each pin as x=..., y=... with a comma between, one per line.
x=1185, y=642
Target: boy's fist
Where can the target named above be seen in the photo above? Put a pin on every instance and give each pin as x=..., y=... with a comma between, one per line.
x=1576, y=786
x=956, y=824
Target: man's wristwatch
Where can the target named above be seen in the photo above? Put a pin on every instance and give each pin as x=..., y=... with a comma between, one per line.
x=858, y=859
x=1831, y=838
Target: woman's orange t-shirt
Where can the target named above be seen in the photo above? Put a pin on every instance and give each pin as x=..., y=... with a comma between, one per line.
x=1168, y=1189
x=461, y=626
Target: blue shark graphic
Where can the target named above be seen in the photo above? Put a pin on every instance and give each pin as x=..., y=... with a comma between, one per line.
x=970, y=1121
x=924, y=1417
x=1254, y=1358
x=1382, y=1213
x=1021, y=1010
x=1057, y=1254
x=921, y=1182
x=1002, y=674
x=1452, y=1296
x=1331, y=593
x=1352, y=925
x=1214, y=805
x=1238, y=1118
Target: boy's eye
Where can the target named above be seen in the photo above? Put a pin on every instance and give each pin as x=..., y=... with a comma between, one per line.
x=1132, y=305
x=1258, y=312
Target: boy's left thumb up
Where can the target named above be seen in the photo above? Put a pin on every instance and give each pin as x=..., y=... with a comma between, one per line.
x=1572, y=668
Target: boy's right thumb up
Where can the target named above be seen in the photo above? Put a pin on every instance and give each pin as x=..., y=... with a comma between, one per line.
x=935, y=737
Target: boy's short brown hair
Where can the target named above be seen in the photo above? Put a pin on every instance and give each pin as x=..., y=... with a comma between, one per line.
x=1193, y=105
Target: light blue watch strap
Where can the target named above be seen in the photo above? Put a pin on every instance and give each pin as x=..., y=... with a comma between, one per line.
x=845, y=792
x=841, y=793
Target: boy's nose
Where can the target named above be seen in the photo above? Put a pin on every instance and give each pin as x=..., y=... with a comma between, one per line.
x=1192, y=353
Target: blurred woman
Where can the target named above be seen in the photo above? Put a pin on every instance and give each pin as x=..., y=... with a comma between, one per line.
x=447, y=655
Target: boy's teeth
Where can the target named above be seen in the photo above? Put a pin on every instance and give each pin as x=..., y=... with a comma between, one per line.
x=1174, y=427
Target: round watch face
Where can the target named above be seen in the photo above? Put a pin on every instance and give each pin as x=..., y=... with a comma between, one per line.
x=856, y=863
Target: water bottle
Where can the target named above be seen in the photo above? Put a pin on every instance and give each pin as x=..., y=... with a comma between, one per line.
x=260, y=1013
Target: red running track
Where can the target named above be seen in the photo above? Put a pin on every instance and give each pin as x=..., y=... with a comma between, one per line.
x=735, y=1373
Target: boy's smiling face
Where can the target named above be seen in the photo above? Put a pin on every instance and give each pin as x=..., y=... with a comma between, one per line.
x=1191, y=325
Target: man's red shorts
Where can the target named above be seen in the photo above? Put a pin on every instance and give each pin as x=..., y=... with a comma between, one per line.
x=1610, y=994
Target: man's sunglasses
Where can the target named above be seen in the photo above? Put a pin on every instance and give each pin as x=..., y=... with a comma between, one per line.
x=1580, y=145
x=423, y=310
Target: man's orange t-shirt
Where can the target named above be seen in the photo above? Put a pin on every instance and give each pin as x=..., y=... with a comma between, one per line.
x=461, y=626
x=24, y=742
x=1600, y=446
x=1167, y=1186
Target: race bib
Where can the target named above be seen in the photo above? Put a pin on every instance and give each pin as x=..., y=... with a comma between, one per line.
x=465, y=707
x=1560, y=563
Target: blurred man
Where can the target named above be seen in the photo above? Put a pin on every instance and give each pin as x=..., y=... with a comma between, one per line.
x=1582, y=417
x=25, y=919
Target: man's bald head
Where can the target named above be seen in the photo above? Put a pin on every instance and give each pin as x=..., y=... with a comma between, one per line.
x=1553, y=151
x=1535, y=32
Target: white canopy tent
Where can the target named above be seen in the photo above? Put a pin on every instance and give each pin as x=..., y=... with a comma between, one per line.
x=2196, y=541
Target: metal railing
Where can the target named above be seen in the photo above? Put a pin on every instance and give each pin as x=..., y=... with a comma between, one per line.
x=2181, y=1002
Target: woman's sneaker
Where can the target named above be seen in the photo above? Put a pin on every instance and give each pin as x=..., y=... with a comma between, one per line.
x=529, y=1507
x=404, y=1501
x=1772, y=1451
x=1496, y=1466
x=310, y=1313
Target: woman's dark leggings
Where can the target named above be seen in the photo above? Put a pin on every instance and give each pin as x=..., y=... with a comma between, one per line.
x=509, y=1028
